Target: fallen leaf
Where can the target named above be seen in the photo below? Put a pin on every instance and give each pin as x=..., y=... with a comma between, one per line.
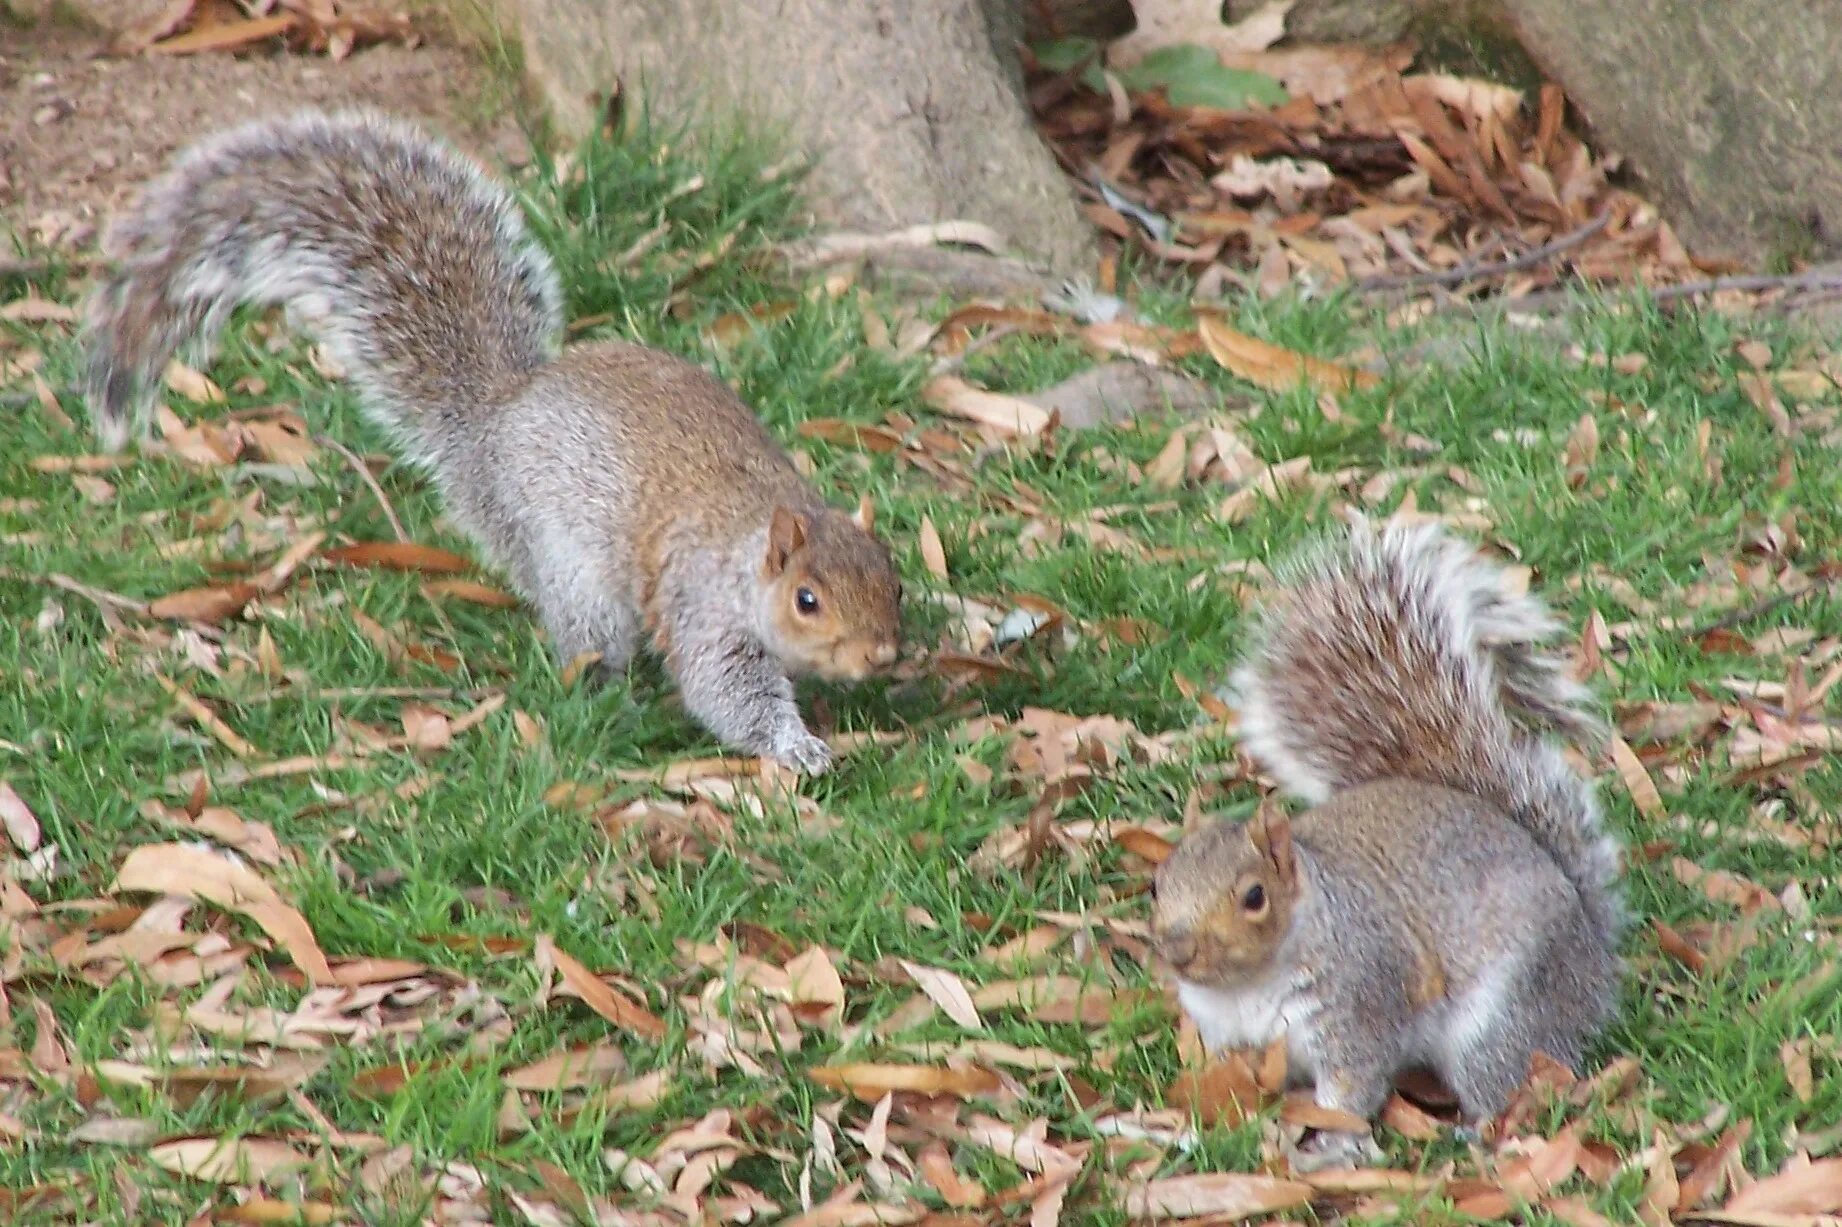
x=580, y=982
x=872, y=1081
x=933, y=553
x=192, y=384
x=947, y=991
x=1802, y=1187
x=398, y=556
x=594, y=1063
x=937, y=1169
x=1007, y=416
x=470, y=590
x=195, y=873
x=20, y=822
x=1274, y=367
x=1230, y=1194
x=1637, y=780
x=226, y=35
x=229, y=1160
x=213, y=603
x=815, y=990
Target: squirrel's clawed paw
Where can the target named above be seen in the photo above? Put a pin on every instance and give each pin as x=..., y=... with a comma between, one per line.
x=802, y=751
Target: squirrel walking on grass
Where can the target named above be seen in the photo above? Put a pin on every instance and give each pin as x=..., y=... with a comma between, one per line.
x=622, y=489
x=1450, y=902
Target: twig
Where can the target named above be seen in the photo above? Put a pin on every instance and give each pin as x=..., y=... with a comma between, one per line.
x=364, y=472
x=1758, y=609
x=1824, y=279
x=1475, y=270
x=209, y=720
x=106, y=602
x=348, y=694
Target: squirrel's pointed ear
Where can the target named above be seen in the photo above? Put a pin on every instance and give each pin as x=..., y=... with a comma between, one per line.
x=865, y=516
x=1271, y=832
x=786, y=533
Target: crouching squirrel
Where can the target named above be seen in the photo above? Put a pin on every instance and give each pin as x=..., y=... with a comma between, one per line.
x=1449, y=901
x=624, y=491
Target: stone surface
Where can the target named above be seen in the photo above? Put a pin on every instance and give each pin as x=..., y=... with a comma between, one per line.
x=1731, y=112
x=911, y=108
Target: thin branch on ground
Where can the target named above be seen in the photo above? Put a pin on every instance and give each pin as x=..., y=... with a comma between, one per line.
x=364, y=472
x=1479, y=270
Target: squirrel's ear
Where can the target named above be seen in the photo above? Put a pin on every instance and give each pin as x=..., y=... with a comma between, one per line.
x=865, y=516
x=1272, y=835
x=786, y=533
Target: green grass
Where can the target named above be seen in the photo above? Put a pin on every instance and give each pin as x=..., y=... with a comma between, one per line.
x=89, y=735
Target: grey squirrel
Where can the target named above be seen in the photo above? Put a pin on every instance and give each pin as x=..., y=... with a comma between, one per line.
x=623, y=490
x=1450, y=899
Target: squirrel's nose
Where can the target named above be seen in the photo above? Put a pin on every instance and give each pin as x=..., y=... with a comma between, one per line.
x=1178, y=948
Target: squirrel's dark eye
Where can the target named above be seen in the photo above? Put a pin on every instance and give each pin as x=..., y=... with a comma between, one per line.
x=1255, y=898
x=808, y=603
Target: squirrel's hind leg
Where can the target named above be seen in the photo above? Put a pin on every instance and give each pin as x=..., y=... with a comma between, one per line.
x=582, y=616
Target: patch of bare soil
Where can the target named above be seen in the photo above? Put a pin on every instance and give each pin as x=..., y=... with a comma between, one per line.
x=79, y=131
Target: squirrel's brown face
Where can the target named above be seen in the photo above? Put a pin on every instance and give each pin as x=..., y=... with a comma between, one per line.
x=835, y=600
x=1224, y=900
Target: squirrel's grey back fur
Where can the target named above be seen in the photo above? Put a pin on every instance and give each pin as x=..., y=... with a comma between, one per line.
x=1399, y=655
x=437, y=317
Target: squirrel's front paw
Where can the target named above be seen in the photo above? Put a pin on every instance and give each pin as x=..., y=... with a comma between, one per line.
x=802, y=751
x=1329, y=1148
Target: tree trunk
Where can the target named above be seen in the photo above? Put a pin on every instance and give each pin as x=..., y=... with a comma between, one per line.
x=1731, y=111
x=912, y=109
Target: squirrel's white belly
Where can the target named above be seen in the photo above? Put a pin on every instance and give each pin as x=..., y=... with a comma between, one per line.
x=1255, y=1016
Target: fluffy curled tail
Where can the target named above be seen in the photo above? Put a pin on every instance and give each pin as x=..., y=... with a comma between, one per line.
x=1399, y=655
x=412, y=265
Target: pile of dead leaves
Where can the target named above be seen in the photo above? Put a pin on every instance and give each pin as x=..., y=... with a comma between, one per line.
x=332, y=28
x=1328, y=166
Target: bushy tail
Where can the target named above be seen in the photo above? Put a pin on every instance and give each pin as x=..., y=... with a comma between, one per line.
x=1399, y=655
x=411, y=264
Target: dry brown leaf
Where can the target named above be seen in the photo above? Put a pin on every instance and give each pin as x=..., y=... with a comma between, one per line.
x=195, y=873
x=1006, y=416
x=947, y=991
x=469, y=590
x=871, y=1081
x=229, y=1160
x=1802, y=1187
x=937, y=1169
x=398, y=556
x=579, y=981
x=1229, y=1194
x=593, y=1063
x=20, y=822
x=1724, y=887
x=933, y=553
x=213, y=603
x=1796, y=1057
x=1274, y=367
x=227, y=35
x=1223, y=1091
x=815, y=990
x=1582, y=450
x=272, y=1210
x=1637, y=780
x=192, y=384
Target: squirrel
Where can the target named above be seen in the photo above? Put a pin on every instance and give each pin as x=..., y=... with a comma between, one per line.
x=623, y=490
x=1450, y=900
